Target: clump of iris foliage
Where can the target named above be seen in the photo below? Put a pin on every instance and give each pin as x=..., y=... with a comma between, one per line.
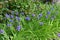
x=30, y=20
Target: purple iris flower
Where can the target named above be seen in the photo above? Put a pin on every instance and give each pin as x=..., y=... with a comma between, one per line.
x=27, y=18
x=9, y=25
x=33, y=15
x=10, y=20
x=48, y=12
x=12, y=16
x=7, y=16
x=22, y=13
x=18, y=28
x=40, y=15
x=18, y=18
x=41, y=23
x=1, y=31
x=46, y=16
x=58, y=34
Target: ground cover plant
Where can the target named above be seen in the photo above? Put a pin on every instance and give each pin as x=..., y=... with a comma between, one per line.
x=30, y=20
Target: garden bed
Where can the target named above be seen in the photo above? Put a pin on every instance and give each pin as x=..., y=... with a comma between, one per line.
x=29, y=20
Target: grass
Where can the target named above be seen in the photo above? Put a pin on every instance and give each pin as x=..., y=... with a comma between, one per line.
x=32, y=29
